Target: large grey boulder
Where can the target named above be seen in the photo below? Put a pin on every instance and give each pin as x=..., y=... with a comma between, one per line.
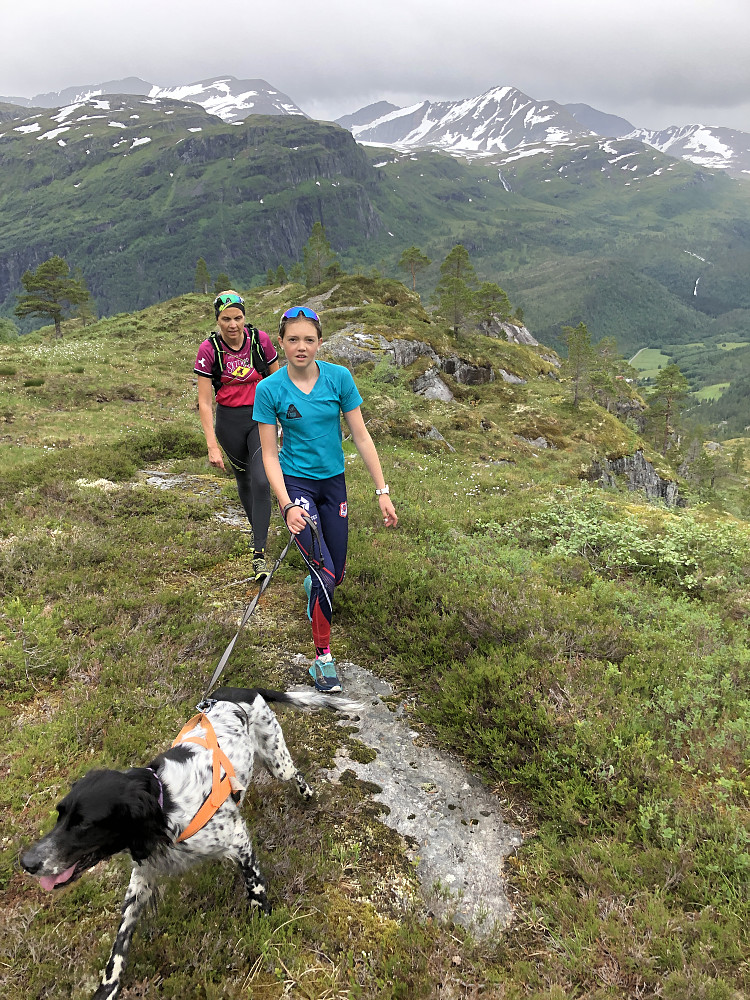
x=431, y=386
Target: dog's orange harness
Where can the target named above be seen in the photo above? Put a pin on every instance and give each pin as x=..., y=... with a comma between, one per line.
x=221, y=787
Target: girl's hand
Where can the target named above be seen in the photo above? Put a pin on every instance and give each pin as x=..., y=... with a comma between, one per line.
x=295, y=520
x=390, y=518
x=215, y=458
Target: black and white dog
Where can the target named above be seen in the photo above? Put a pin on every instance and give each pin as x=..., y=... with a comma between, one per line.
x=146, y=809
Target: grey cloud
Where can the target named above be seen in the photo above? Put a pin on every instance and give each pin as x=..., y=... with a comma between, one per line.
x=635, y=58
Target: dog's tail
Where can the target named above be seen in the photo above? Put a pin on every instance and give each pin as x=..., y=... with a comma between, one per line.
x=299, y=699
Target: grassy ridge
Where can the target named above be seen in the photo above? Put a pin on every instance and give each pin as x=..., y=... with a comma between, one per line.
x=585, y=651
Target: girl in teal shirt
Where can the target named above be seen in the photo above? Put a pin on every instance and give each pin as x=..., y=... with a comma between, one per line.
x=307, y=398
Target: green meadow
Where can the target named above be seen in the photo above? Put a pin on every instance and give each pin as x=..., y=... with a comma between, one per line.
x=584, y=651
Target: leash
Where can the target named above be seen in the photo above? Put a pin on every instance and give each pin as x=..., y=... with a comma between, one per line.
x=254, y=603
x=224, y=787
x=248, y=612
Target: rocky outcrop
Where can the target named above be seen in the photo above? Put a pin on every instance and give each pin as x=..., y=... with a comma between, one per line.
x=352, y=346
x=641, y=475
x=431, y=386
x=510, y=378
x=514, y=333
x=466, y=373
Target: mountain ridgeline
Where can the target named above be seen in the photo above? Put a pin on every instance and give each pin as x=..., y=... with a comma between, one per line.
x=647, y=247
x=133, y=190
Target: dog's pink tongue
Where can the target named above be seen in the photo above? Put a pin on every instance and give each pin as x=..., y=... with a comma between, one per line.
x=49, y=882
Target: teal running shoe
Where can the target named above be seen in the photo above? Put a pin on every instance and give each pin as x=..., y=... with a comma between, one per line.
x=323, y=673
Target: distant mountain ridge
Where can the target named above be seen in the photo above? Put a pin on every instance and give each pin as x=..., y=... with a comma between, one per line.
x=505, y=119
x=226, y=97
x=499, y=121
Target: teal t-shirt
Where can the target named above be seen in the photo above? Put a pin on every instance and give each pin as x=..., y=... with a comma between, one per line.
x=311, y=422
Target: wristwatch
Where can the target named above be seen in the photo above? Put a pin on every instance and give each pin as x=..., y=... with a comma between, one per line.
x=379, y=493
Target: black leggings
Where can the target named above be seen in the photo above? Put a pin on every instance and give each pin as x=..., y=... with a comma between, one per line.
x=237, y=433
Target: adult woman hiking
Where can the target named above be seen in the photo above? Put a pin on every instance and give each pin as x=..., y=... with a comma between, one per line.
x=231, y=363
x=308, y=397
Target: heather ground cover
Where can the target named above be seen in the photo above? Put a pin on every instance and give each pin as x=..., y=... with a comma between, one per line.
x=585, y=652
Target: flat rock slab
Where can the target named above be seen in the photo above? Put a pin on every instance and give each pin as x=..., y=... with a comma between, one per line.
x=451, y=823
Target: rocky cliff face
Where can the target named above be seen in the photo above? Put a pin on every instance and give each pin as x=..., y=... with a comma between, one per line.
x=136, y=190
x=641, y=475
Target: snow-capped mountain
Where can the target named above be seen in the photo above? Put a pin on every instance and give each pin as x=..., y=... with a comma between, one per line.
x=505, y=119
x=711, y=147
x=500, y=120
x=226, y=97
x=232, y=100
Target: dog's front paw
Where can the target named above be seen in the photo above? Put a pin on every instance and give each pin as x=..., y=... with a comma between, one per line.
x=303, y=788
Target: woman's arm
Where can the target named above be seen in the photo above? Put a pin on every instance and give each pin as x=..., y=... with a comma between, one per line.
x=268, y=442
x=366, y=448
x=273, y=367
x=206, y=413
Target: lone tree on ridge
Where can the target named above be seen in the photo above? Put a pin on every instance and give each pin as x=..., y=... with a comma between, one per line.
x=318, y=256
x=454, y=292
x=579, y=362
x=51, y=292
x=414, y=261
x=202, y=279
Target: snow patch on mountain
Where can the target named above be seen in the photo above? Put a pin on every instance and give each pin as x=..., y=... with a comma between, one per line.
x=500, y=120
x=707, y=146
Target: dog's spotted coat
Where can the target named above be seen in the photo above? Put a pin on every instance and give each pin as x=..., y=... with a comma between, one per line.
x=144, y=810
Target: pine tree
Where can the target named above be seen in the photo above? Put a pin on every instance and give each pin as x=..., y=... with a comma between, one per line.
x=454, y=292
x=280, y=275
x=318, y=255
x=51, y=291
x=414, y=261
x=491, y=300
x=222, y=283
x=665, y=404
x=202, y=280
x=270, y=276
x=579, y=362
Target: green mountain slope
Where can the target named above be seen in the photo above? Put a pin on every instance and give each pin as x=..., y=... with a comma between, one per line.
x=640, y=247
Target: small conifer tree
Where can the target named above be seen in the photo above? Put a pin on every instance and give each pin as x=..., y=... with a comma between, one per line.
x=202, y=280
x=670, y=391
x=318, y=255
x=579, y=362
x=454, y=292
x=414, y=261
x=51, y=291
x=222, y=282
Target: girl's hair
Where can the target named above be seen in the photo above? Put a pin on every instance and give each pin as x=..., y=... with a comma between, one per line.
x=300, y=312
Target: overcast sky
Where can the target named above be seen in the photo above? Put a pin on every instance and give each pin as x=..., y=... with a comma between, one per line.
x=654, y=62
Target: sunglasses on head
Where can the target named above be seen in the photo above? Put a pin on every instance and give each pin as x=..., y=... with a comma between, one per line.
x=296, y=311
x=221, y=301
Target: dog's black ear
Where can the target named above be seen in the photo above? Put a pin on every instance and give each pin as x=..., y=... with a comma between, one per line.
x=143, y=818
